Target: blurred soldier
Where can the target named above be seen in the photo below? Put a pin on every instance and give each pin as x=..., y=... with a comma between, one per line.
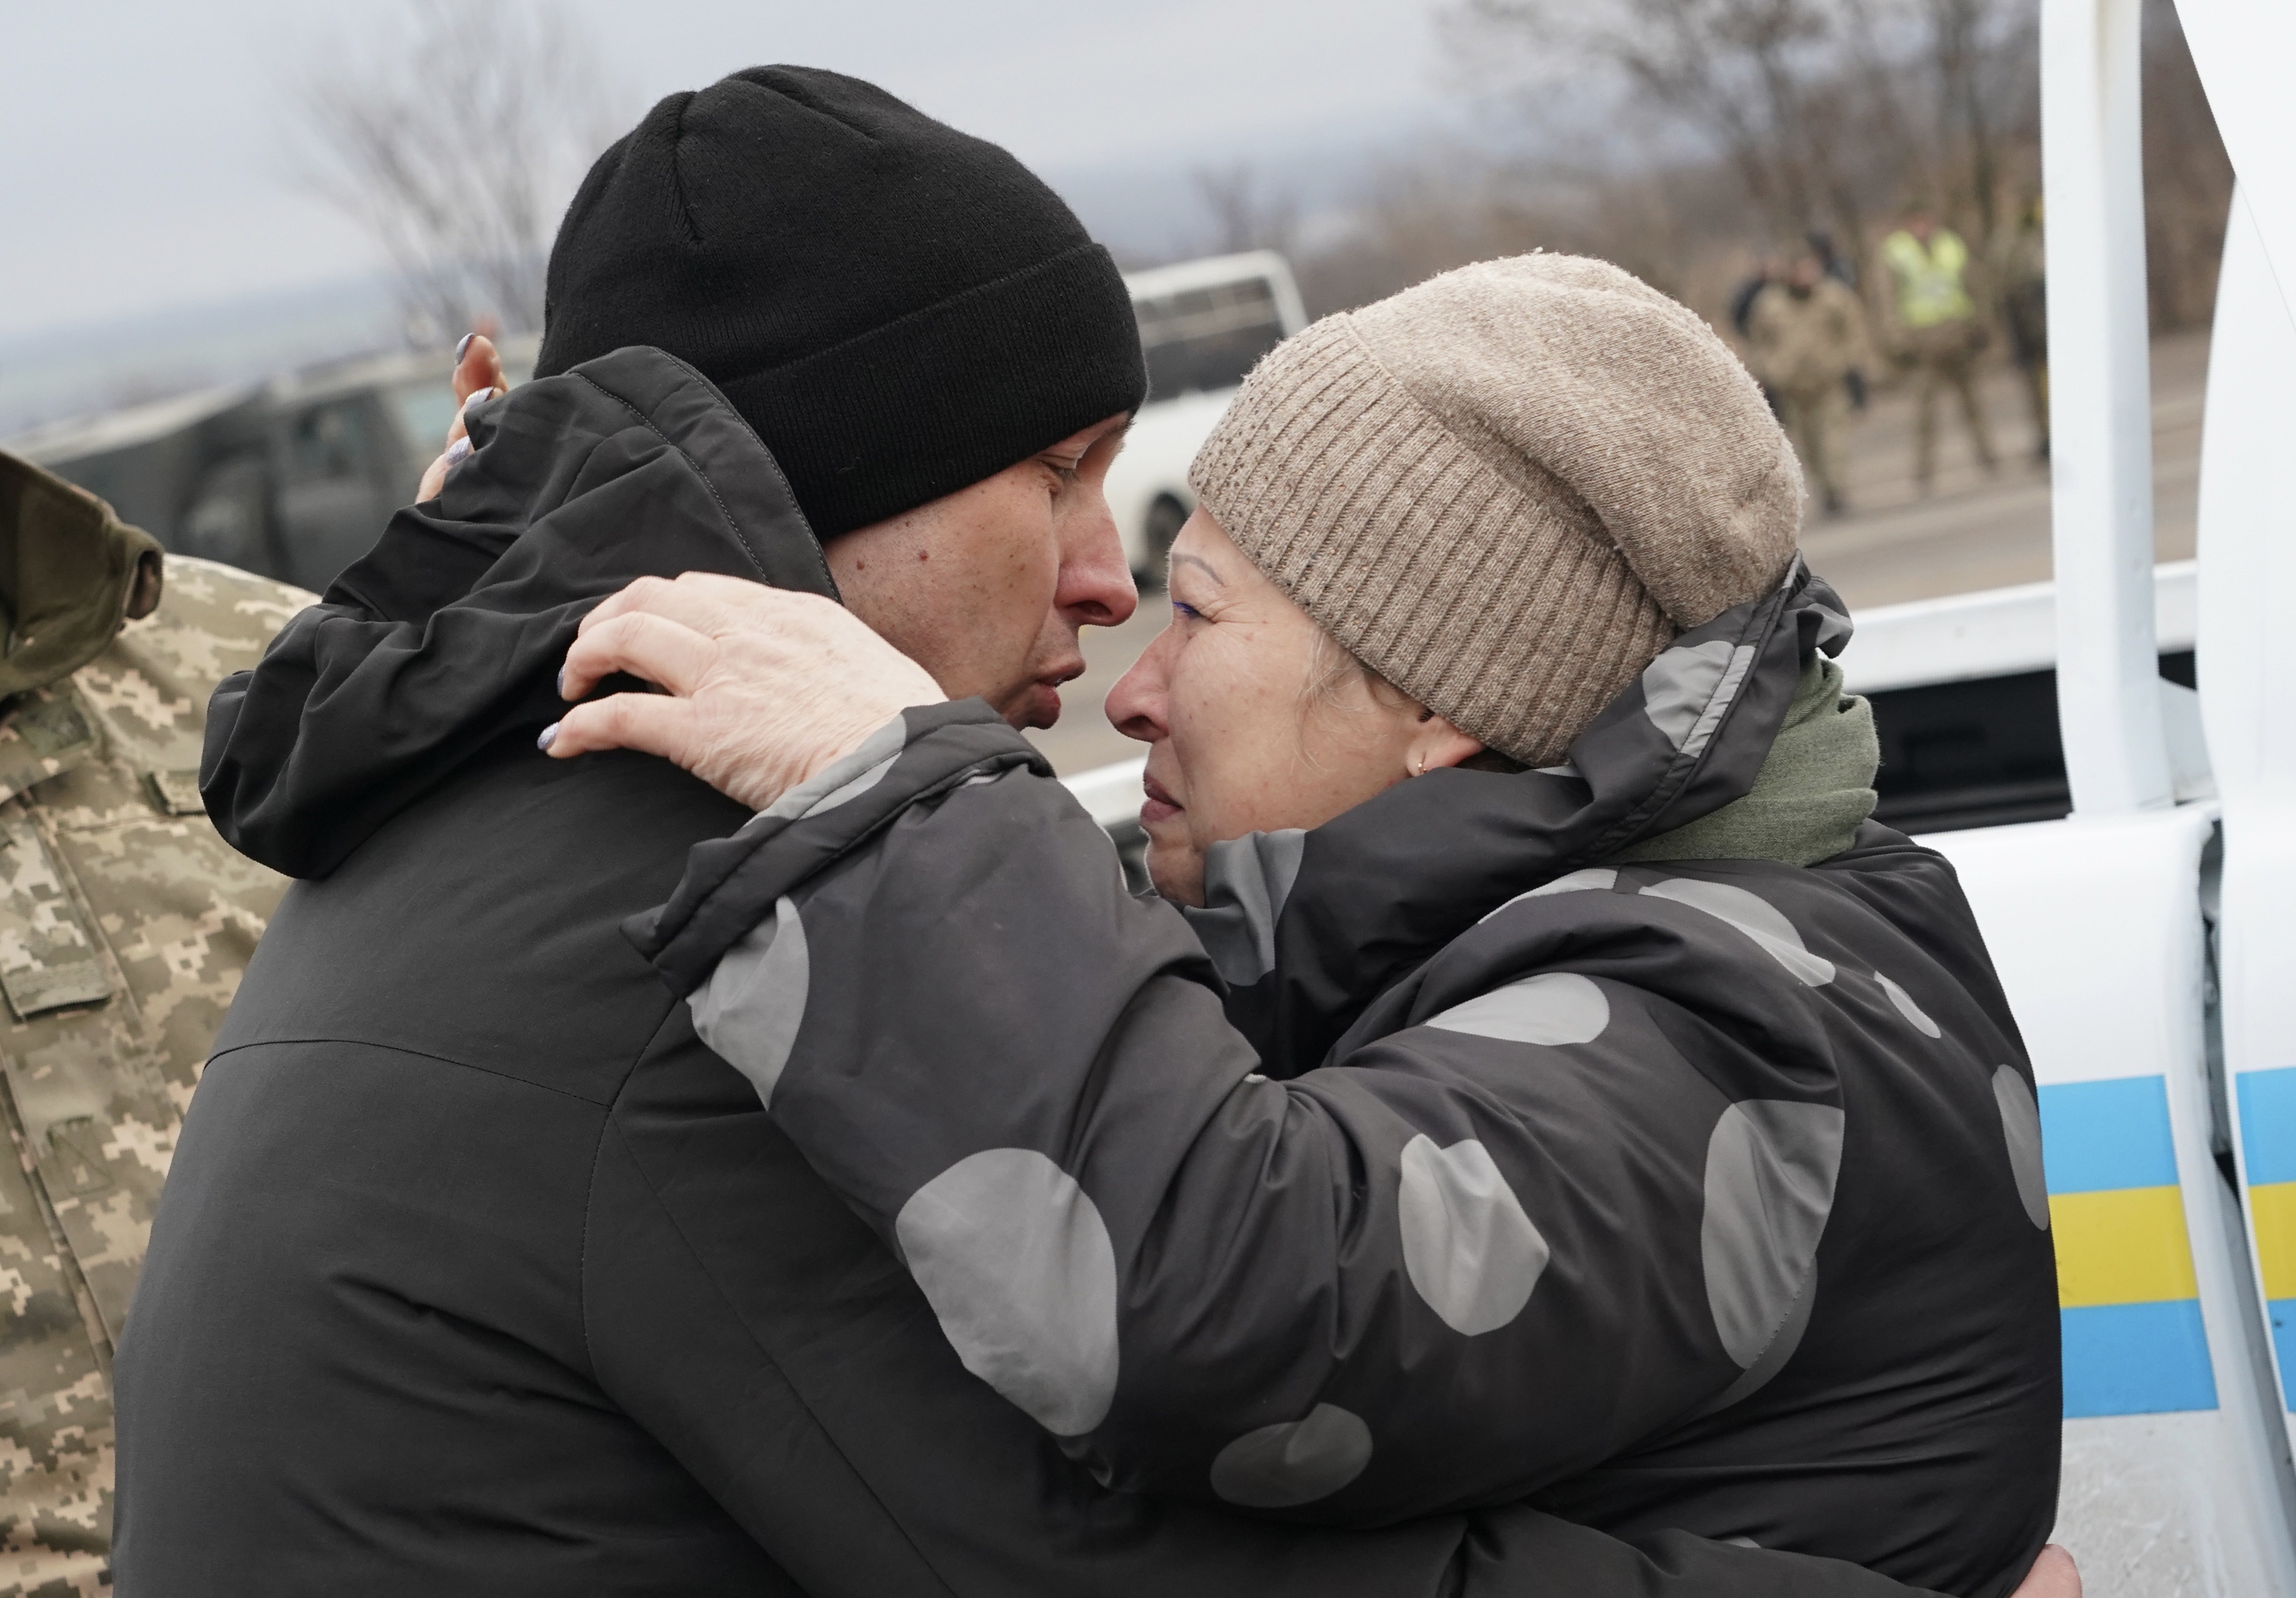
x=1844, y=271
x=1938, y=328
x=1829, y=260
x=2023, y=276
x=1807, y=334
x=1742, y=313
x=125, y=923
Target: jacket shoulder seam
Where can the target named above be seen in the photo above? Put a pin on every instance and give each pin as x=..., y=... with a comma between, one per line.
x=605, y=1105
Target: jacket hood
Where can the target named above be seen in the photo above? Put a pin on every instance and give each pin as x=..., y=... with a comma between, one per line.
x=447, y=637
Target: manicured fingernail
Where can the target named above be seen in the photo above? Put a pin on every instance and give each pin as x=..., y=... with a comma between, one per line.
x=477, y=398
x=561, y=682
x=460, y=448
x=548, y=736
x=464, y=348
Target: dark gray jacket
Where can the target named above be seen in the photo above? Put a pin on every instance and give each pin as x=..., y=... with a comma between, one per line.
x=1465, y=1169
x=477, y=1271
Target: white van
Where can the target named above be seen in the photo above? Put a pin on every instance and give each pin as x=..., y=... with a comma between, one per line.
x=1202, y=325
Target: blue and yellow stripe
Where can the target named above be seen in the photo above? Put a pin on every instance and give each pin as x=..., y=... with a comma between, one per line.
x=2267, y=1147
x=2134, y=1339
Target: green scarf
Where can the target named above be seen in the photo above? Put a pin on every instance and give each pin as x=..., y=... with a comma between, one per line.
x=1813, y=791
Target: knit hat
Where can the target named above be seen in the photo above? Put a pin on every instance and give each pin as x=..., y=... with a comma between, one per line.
x=899, y=310
x=1506, y=490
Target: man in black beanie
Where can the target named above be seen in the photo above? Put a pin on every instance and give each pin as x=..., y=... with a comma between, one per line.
x=476, y=1271
x=898, y=308
x=901, y=312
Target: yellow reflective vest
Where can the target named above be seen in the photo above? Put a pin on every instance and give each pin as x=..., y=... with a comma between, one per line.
x=1930, y=289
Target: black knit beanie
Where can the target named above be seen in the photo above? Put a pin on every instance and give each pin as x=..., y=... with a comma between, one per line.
x=898, y=308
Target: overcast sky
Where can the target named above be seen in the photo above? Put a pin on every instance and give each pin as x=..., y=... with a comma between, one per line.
x=145, y=152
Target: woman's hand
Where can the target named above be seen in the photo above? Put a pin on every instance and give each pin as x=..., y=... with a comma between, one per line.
x=2052, y=1576
x=764, y=687
x=478, y=371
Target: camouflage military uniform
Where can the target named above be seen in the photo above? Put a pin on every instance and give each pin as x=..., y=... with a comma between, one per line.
x=1939, y=332
x=125, y=924
x=1804, y=343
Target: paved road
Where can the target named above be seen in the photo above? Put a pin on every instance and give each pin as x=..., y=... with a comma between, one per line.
x=1976, y=532
x=1981, y=532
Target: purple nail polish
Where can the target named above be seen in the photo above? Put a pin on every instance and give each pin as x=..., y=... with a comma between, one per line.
x=464, y=348
x=547, y=736
x=561, y=682
x=460, y=448
x=478, y=397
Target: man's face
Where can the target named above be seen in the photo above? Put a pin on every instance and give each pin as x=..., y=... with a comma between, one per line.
x=1920, y=225
x=985, y=588
x=1805, y=273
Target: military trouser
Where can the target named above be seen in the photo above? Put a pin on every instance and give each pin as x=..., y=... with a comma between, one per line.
x=1945, y=357
x=1813, y=419
x=2025, y=312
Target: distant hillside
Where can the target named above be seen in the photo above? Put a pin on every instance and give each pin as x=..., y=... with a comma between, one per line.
x=71, y=371
x=1149, y=211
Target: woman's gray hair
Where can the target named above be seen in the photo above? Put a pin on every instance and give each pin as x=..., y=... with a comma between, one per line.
x=1332, y=666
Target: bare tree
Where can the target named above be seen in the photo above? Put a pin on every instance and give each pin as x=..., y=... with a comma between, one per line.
x=1680, y=138
x=1245, y=214
x=2187, y=178
x=1824, y=110
x=1746, y=75
x=1970, y=107
x=454, y=139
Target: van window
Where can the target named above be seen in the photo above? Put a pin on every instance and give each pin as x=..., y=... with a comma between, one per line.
x=424, y=411
x=328, y=443
x=1203, y=339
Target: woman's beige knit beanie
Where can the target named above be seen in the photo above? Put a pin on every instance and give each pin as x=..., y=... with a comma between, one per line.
x=1507, y=489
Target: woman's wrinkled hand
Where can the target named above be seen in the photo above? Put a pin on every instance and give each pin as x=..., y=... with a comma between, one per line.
x=478, y=374
x=763, y=686
x=2052, y=1576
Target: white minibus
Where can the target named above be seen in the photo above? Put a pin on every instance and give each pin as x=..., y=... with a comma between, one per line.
x=1202, y=325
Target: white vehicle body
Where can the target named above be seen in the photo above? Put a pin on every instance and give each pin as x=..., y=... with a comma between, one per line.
x=1203, y=324
x=2147, y=940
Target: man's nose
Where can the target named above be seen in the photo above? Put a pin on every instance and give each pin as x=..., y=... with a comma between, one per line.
x=1096, y=583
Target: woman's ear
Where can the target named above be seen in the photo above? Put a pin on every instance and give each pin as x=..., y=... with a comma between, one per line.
x=1435, y=744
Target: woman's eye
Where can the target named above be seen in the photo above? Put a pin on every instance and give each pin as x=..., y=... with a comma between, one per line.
x=1188, y=613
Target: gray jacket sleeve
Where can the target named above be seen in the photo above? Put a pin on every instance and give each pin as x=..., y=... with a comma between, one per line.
x=1458, y=1262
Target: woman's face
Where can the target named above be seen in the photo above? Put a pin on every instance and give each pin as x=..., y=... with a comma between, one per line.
x=1255, y=719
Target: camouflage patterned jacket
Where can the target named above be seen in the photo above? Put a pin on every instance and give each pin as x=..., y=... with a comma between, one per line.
x=125, y=923
x=1805, y=343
